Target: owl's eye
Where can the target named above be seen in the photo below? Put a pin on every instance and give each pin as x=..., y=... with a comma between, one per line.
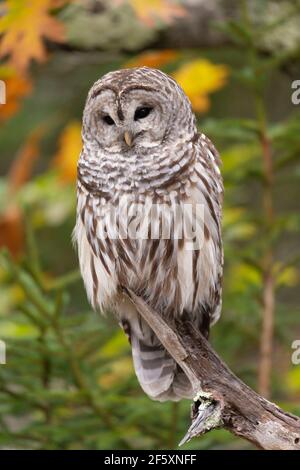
x=141, y=113
x=108, y=120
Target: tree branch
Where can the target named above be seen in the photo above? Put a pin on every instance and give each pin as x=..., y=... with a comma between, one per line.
x=221, y=398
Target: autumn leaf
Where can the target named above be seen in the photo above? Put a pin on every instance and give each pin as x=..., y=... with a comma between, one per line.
x=70, y=144
x=152, y=10
x=24, y=25
x=21, y=169
x=16, y=87
x=11, y=219
x=153, y=59
x=199, y=78
x=12, y=231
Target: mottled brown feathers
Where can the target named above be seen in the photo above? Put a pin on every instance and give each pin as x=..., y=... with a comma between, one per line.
x=168, y=167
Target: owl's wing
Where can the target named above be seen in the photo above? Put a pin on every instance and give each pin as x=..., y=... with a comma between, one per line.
x=158, y=374
x=207, y=190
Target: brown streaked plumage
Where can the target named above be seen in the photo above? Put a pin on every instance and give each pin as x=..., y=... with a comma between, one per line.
x=142, y=165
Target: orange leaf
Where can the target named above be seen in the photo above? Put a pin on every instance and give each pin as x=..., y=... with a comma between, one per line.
x=152, y=10
x=16, y=87
x=12, y=230
x=70, y=144
x=11, y=220
x=153, y=59
x=22, y=166
x=24, y=25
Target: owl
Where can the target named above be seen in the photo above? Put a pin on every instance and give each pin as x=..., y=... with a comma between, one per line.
x=149, y=203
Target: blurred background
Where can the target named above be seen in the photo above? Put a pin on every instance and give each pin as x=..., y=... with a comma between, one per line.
x=68, y=381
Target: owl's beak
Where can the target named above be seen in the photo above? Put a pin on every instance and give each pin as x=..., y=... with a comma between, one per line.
x=128, y=137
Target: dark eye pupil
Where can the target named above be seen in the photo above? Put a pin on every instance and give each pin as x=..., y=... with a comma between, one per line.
x=108, y=120
x=141, y=113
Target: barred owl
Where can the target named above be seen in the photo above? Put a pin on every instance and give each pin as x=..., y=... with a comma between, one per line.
x=142, y=163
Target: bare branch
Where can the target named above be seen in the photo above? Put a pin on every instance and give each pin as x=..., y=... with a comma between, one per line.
x=221, y=398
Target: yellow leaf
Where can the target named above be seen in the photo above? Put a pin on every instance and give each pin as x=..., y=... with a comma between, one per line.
x=242, y=276
x=234, y=158
x=293, y=379
x=17, y=87
x=200, y=103
x=12, y=330
x=116, y=345
x=233, y=215
x=235, y=225
x=152, y=10
x=199, y=78
x=153, y=59
x=289, y=276
x=23, y=26
x=70, y=144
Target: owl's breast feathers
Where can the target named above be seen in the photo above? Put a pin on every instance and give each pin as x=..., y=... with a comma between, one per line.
x=130, y=215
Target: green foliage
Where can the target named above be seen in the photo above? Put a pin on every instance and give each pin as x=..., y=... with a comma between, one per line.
x=69, y=382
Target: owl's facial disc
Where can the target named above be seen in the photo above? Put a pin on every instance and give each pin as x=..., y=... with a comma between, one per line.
x=145, y=118
x=129, y=136
x=131, y=122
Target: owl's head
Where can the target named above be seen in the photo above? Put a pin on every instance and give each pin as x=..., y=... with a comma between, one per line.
x=133, y=110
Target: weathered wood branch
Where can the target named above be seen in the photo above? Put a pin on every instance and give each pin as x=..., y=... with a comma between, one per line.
x=221, y=398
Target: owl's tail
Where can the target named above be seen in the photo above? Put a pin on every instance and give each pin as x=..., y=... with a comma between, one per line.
x=157, y=372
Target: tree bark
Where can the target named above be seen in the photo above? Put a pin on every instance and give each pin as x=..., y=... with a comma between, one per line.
x=221, y=398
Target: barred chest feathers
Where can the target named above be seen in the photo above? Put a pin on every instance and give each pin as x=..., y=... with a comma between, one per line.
x=149, y=201
x=174, y=273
